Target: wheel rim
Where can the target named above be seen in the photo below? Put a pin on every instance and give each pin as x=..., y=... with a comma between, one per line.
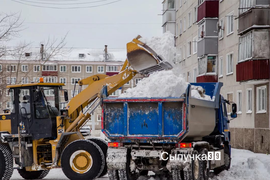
x=81, y=161
x=196, y=169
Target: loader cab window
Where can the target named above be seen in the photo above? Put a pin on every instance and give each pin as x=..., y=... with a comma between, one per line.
x=11, y=103
x=46, y=102
x=24, y=103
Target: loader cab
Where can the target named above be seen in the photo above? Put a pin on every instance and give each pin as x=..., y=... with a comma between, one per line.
x=34, y=109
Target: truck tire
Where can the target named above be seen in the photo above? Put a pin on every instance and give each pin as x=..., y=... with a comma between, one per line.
x=227, y=161
x=176, y=174
x=82, y=160
x=104, y=147
x=6, y=162
x=204, y=165
x=196, y=168
x=33, y=174
x=113, y=175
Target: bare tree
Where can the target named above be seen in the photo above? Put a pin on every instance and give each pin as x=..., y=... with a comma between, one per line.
x=12, y=58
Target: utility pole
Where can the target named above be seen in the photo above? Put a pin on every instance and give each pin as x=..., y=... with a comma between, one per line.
x=106, y=52
x=42, y=51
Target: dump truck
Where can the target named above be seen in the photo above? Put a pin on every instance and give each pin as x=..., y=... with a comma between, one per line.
x=173, y=138
x=37, y=136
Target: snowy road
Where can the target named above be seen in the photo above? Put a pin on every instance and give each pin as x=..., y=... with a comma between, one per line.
x=245, y=166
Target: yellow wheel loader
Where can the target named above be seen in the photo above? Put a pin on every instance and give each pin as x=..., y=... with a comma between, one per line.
x=37, y=136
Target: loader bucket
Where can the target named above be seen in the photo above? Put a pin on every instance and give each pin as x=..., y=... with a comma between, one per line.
x=143, y=59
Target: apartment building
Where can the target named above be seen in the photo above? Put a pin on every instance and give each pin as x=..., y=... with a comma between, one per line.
x=67, y=68
x=232, y=47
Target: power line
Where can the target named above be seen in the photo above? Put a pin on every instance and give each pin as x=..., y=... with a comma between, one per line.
x=75, y=7
x=63, y=3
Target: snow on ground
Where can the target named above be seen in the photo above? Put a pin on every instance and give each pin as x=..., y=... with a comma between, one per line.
x=246, y=165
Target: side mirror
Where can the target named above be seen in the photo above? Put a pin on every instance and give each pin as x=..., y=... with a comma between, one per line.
x=234, y=111
x=66, y=95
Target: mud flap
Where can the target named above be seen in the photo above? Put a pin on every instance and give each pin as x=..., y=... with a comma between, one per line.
x=116, y=158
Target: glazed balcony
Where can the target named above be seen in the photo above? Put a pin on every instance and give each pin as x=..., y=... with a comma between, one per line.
x=207, y=78
x=207, y=45
x=208, y=9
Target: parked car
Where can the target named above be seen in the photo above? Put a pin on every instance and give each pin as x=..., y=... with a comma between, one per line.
x=85, y=130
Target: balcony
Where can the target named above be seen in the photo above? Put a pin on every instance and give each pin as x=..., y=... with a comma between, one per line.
x=208, y=9
x=207, y=78
x=252, y=70
x=254, y=18
x=208, y=45
x=49, y=73
x=168, y=16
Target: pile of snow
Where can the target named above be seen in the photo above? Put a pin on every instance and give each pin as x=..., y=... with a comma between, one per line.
x=247, y=165
x=159, y=84
x=199, y=93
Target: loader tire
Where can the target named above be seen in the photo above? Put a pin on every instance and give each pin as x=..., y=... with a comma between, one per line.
x=113, y=175
x=82, y=160
x=104, y=147
x=6, y=162
x=33, y=174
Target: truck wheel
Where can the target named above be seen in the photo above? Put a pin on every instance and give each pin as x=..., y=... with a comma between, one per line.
x=82, y=159
x=196, y=168
x=6, y=162
x=113, y=175
x=227, y=161
x=33, y=174
x=204, y=163
x=104, y=147
x=187, y=175
x=176, y=174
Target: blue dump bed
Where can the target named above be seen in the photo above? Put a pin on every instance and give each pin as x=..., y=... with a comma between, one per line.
x=161, y=119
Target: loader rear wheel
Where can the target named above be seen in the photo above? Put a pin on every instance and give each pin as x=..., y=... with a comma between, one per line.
x=104, y=147
x=6, y=162
x=33, y=174
x=82, y=160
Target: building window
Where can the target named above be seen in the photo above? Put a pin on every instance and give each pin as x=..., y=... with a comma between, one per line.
x=36, y=68
x=63, y=105
x=24, y=68
x=89, y=69
x=200, y=2
x=201, y=32
x=49, y=68
x=249, y=100
x=81, y=55
x=137, y=80
x=189, y=49
x=180, y=27
x=98, y=117
x=184, y=52
x=25, y=80
x=245, y=5
x=74, y=80
x=63, y=80
x=221, y=29
x=245, y=47
x=0, y=67
x=50, y=79
x=230, y=99
x=211, y=64
x=194, y=45
x=189, y=19
x=195, y=14
x=229, y=24
x=229, y=64
x=195, y=74
x=9, y=105
x=127, y=83
x=261, y=99
x=1, y=80
x=75, y=69
x=184, y=24
x=74, y=93
x=35, y=80
x=112, y=68
x=116, y=93
x=63, y=68
x=239, y=102
x=11, y=68
x=220, y=65
x=11, y=80
x=100, y=69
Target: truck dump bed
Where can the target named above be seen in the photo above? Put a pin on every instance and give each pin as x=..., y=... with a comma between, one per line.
x=163, y=119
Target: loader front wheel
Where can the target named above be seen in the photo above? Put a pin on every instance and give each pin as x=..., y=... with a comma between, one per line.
x=82, y=160
x=33, y=174
x=6, y=162
x=104, y=147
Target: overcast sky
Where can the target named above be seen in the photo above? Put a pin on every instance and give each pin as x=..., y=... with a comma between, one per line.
x=114, y=24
